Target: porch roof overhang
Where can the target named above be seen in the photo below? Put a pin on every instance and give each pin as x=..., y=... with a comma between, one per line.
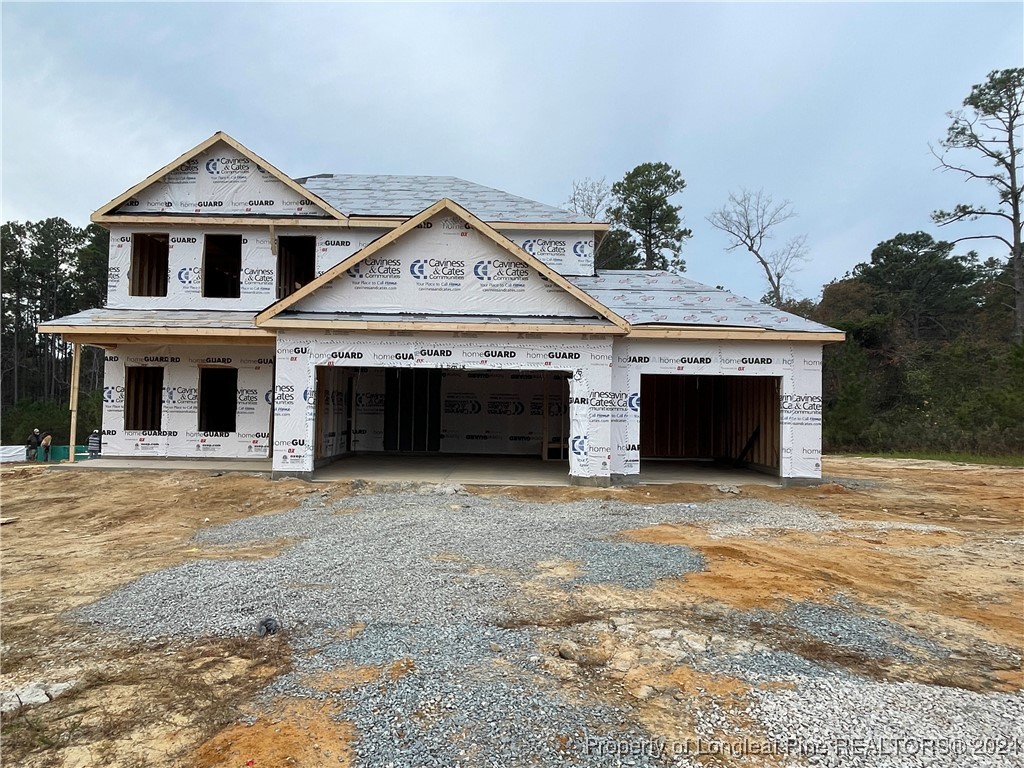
x=110, y=327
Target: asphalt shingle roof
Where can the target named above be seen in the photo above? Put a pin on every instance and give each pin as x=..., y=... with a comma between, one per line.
x=663, y=298
x=372, y=195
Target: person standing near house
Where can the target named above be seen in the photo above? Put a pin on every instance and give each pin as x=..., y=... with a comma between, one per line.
x=45, y=444
x=32, y=445
x=94, y=444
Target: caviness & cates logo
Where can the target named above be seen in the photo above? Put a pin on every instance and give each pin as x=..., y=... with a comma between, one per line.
x=113, y=394
x=189, y=275
x=437, y=269
x=373, y=268
x=544, y=247
x=578, y=445
x=498, y=270
x=218, y=166
x=582, y=247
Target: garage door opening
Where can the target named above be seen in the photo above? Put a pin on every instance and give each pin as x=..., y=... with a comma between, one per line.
x=421, y=413
x=724, y=421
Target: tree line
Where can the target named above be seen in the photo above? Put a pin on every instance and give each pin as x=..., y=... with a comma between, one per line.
x=934, y=359
x=48, y=269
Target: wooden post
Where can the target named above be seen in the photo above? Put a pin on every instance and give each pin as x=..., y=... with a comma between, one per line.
x=76, y=369
x=546, y=434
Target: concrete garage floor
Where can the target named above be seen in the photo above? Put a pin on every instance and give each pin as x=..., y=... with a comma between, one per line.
x=509, y=470
x=460, y=470
x=213, y=465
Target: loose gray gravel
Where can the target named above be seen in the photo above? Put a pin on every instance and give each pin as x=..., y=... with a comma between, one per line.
x=436, y=576
x=864, y=724
x=405, y=558
x=871, y=636
x=469, y=710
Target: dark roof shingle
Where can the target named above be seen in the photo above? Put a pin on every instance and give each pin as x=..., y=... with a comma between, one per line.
x=404, y=196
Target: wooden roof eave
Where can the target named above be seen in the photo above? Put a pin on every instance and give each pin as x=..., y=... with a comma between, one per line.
x=112, y=335
x=733, y=333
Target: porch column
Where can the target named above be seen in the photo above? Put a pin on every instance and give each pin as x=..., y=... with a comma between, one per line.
x=76, y=369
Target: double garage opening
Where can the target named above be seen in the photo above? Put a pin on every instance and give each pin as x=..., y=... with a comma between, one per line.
x=441, y=411
x=687, y=422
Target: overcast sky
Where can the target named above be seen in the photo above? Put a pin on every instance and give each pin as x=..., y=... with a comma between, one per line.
x=830, y=106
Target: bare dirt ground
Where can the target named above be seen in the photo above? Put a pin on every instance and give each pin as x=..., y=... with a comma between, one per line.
x=80, y=535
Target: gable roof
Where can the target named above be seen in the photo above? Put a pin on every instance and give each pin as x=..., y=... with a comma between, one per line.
x=404, y=196
x=197, y=150
x=409, y=226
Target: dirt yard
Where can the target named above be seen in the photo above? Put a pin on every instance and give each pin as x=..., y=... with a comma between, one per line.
x=169, y=701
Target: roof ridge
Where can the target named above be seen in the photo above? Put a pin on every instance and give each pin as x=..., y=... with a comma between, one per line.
x=382, y=194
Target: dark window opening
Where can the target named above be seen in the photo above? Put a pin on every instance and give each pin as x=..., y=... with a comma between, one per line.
x=222, y=266
x=143, y=397
x=149, y=265
x=218, y=399
x=296, y=263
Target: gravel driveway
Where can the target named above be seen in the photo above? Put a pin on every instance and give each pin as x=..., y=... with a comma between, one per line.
x=491, y=605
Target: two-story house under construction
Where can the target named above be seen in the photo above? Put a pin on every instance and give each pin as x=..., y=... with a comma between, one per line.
x=307, y=320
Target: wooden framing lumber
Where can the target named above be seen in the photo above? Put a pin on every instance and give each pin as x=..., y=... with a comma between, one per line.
x=444, y=204
x=711, y=332
x=242, y=220
x=389, y=222
x=156, y=331
x=105, y=210
x=112, y=340
x=76, y=370
x=166, y=219
x=418, y=325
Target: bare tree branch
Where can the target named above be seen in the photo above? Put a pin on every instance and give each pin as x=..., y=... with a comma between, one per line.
x=590, y=198
x=750, y=219
x=995, y=109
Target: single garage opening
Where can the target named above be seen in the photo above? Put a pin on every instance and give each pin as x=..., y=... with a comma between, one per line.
x=418, y=417
x=730, y=421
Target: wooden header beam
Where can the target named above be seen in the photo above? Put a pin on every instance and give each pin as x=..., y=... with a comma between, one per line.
x=425, y=326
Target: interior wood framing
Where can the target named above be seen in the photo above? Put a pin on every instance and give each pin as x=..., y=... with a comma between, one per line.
x=143, y=387
x=296, y=262
x=710, y=417
x=150, y=261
